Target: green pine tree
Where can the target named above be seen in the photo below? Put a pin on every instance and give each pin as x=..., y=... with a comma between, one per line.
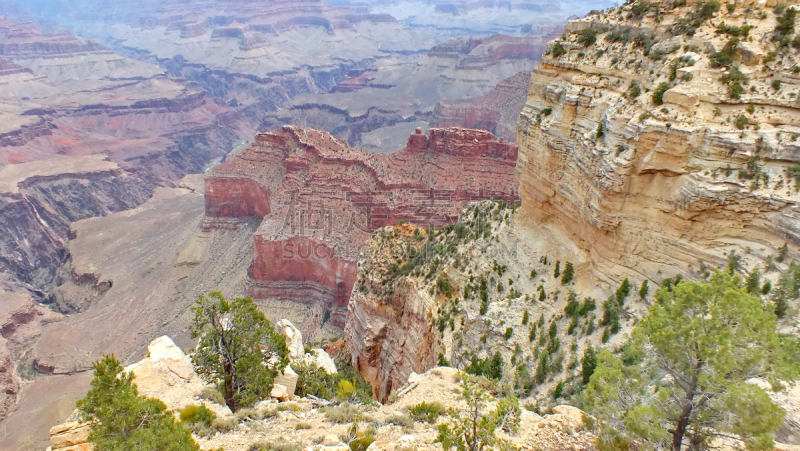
x=623, y=291
x=644, y=290
x=710, y=338
x=231, y=352
x=568, y=274
x=121, y=420
x=588, y=364
x=754, y=281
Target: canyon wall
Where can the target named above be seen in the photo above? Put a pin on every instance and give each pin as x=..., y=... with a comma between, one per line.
x=319, y=200
x=72, y=150
x=650, y=146
x=652, y=187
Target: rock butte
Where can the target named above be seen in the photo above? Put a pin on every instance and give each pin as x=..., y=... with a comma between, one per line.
x=320, y=199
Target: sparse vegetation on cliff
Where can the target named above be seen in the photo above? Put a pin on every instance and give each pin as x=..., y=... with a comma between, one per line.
x=474, y=429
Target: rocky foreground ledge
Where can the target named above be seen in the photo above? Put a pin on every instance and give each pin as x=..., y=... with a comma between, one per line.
x=307, y=424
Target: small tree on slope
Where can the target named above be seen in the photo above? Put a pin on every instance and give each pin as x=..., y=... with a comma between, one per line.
x=700, y=344
x=235, y=340
x=121, y=420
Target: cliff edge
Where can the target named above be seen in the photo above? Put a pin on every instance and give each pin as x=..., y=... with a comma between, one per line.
x=659, y=137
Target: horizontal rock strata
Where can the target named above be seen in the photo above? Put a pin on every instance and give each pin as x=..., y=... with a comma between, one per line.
x=320, y=199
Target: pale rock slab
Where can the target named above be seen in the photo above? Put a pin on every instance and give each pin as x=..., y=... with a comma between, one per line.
x=294, y=339
x=69, y=436
x=322, y=359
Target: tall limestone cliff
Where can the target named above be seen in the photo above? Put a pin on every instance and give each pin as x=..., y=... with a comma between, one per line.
x=658, y=136
x=657, y=139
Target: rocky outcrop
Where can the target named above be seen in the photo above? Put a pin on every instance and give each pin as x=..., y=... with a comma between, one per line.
x=70, y=436
x=166, y=374
x=325, y=198
x=649, y=189
x=294, y=338
x=297, y=353
x=563, y=429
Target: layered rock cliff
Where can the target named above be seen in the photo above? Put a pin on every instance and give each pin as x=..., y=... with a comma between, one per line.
x=86, y=132
x=653, y=143
x=320, y=199
x=483, y=288
x=655, y=139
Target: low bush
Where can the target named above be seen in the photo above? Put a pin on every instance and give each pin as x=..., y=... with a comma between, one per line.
x=212, y=395
x=344, y=413
x=558, y=50
x=281, y=445
x=197, y=414
x=345, y=385
x=427, y=411
x=658, y=93
x=224, y=424
x=404, y=421
x=358, y=439
x=742, y=122
x=587, y=37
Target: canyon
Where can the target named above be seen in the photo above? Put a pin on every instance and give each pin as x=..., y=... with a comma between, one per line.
x=354, y=70
x=640, y=160
x=319, y=200
x=71, y=150
x=99, y=131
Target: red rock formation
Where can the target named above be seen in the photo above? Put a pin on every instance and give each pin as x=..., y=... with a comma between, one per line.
x=320, y=199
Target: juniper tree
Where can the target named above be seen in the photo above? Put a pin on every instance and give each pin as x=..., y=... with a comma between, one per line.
x=568, y=274
x=238, y=348
x=644, y=290
x=473, y=428
x=588, y=364
x=623, y=291
x=700, y=345
x=754, y=281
